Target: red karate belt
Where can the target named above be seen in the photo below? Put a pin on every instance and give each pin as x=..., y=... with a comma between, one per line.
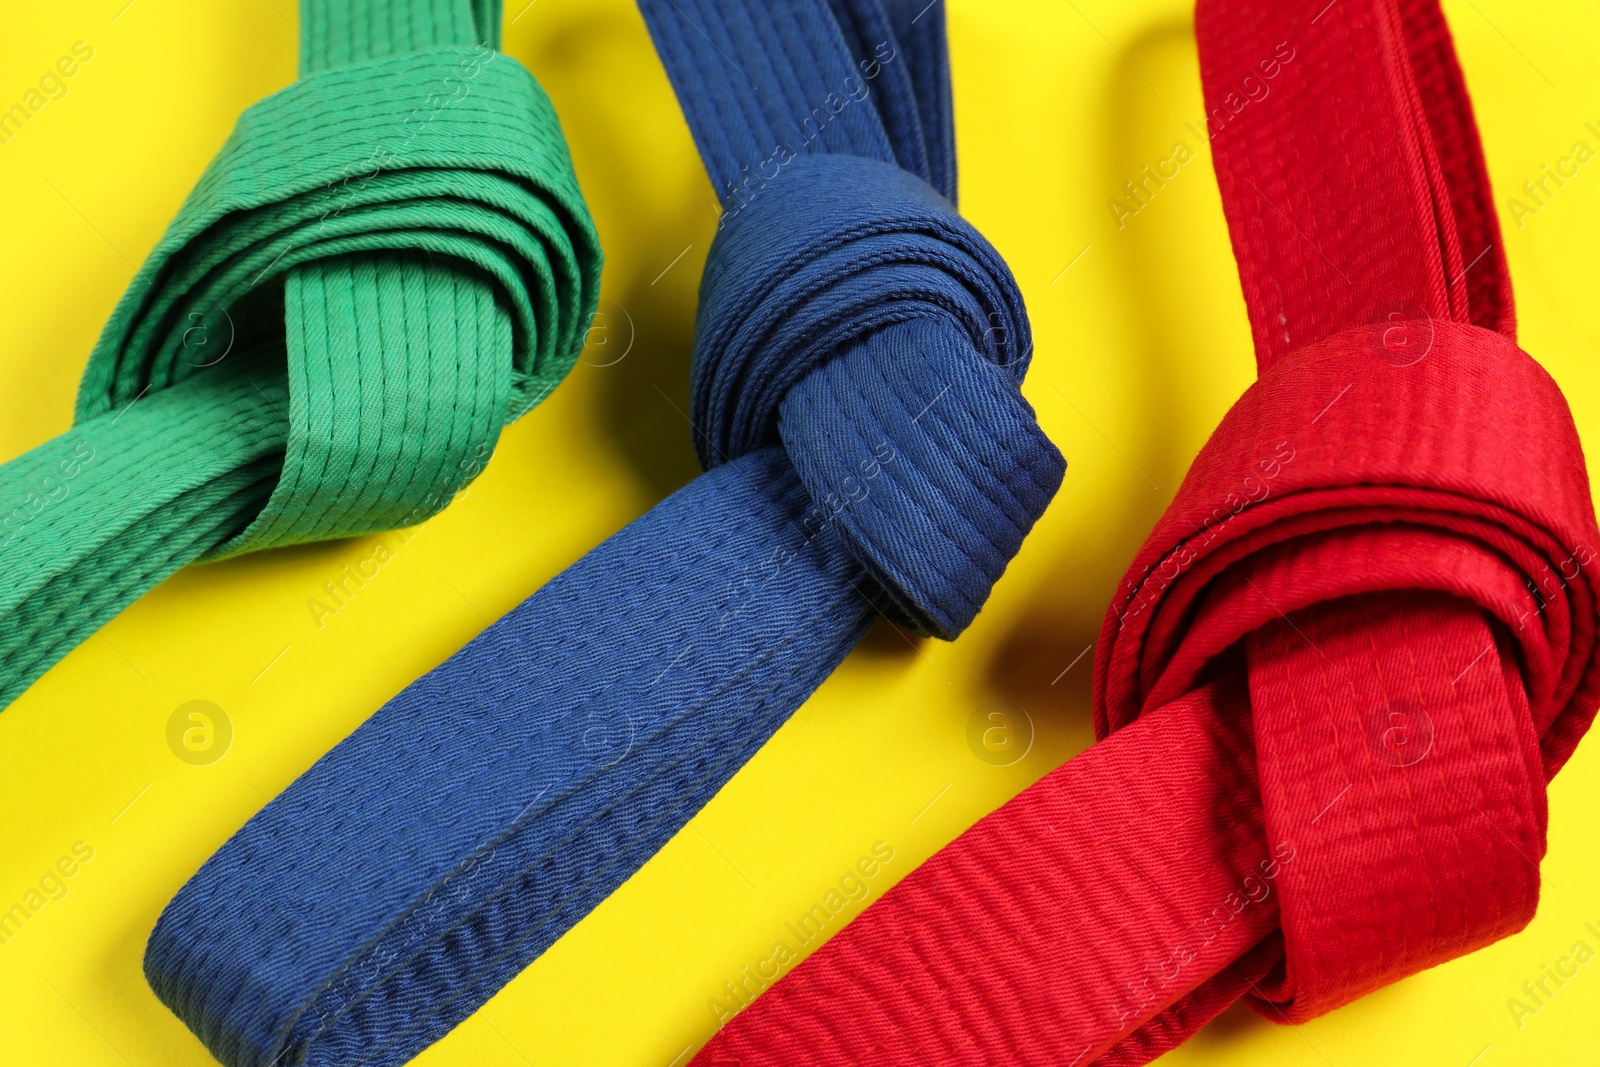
x=1338, y=676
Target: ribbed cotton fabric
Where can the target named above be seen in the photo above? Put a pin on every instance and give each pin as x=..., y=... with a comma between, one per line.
x=1340, y=672
x=387, y=261
x=857, y=361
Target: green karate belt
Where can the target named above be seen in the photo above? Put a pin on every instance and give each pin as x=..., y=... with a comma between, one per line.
x=387, y=262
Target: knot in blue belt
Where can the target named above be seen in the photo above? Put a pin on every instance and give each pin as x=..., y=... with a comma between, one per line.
x=884, y=349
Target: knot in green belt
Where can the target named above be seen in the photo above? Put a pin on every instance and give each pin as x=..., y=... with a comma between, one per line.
x=387, y=262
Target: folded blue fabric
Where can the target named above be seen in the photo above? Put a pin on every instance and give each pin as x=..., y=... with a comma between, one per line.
x=855, y=395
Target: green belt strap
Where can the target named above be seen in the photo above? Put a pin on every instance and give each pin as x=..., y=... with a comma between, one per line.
x=387, y=262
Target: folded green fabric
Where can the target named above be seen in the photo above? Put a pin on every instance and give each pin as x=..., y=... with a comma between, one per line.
x=387, y=262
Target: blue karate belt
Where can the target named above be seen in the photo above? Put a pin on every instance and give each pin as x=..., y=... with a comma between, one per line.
x=858, y=353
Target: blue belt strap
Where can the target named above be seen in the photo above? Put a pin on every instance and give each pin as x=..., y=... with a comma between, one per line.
x=857, y=360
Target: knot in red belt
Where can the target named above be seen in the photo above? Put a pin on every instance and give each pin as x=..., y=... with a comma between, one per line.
x=1379, y=572
x=1345, y=663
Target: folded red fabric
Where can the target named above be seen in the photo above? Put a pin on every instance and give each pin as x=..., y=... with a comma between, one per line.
x=1340, y=672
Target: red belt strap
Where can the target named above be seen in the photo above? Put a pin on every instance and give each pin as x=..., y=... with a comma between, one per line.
x=1340, y=672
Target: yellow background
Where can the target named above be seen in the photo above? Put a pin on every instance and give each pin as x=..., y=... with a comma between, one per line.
x=1141, y=346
